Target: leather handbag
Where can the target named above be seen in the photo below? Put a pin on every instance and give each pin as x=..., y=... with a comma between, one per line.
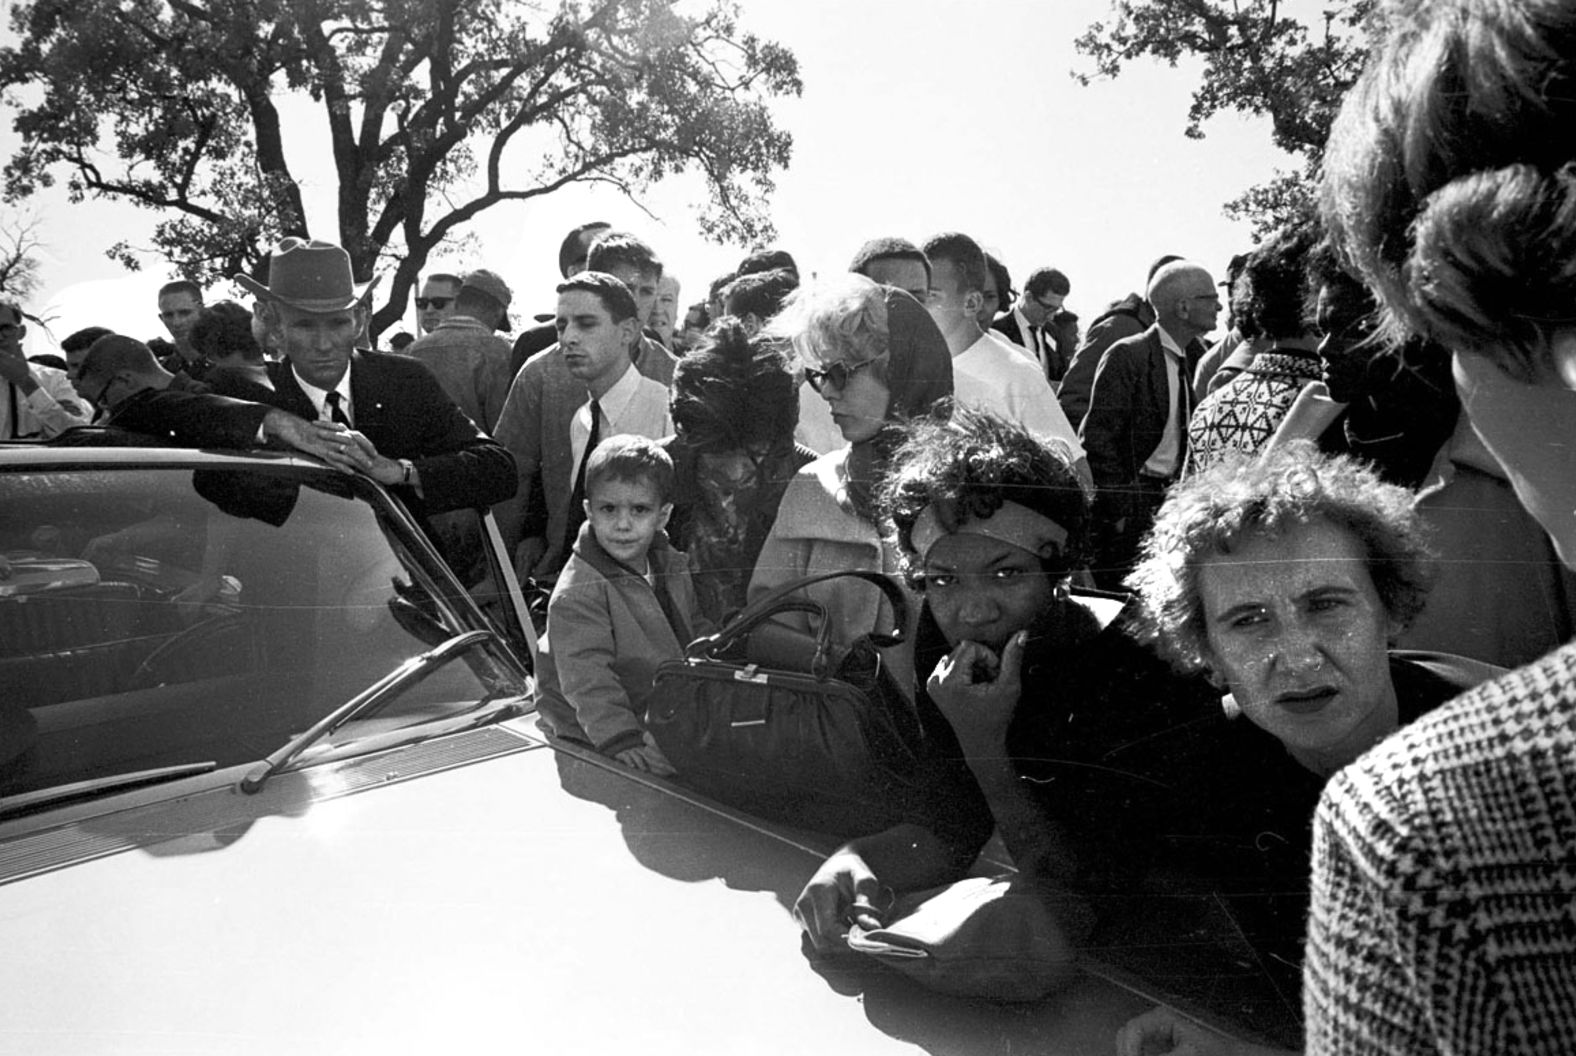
x=824, y=750
x=1001, y=938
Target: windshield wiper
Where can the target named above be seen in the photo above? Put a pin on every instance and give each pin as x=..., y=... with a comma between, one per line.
x=364, y=703
x=81, y=789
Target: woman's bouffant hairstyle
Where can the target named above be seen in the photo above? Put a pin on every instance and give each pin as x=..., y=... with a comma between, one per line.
x=841, y=318
x=967, y=467
x=1448, y=178
x=1327, y=268
x=225, y=329
x=1270, y=288
x=730, y=392
x=1239, y=499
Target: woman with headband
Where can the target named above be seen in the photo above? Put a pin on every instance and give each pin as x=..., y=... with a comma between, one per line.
x=991, y=522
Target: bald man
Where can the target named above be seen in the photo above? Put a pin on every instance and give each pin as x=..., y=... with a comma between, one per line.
x=1135, y=434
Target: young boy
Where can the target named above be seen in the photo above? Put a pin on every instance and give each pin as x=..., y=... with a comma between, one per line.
x=623, y=604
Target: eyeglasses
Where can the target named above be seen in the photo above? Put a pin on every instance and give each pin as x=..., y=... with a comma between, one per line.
x=1213, y=298
x=437, y=303
x=1049, y=307
x=837, y=375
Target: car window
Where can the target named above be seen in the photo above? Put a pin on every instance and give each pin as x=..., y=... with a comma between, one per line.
x=161, y=616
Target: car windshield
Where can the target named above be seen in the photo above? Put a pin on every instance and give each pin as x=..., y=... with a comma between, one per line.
x=171, y=616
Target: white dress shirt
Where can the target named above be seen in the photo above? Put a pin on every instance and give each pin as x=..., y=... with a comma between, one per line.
x=635, y=404
x=1032, y=339
x=319, y=397
x=1163, y=462
x=49, y=410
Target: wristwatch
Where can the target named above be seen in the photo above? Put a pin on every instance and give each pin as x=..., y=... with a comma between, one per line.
x=407, y=470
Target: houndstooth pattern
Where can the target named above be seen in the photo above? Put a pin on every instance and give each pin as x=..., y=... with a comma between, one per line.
x=1444, y=880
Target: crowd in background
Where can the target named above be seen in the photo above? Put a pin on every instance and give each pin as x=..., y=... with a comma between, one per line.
x=1217, y=540
x=1157, y=386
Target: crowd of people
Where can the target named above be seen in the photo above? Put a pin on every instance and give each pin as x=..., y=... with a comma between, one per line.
x=1220, y=602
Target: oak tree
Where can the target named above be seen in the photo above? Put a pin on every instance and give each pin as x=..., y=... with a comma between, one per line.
x=19, y=260
x=433, y=111
x=1287, y=61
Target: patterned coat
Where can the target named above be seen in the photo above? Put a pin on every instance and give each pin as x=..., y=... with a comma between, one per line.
x=1444, y=880
x=1242, y=414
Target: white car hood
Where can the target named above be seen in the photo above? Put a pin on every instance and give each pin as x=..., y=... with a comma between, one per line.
x=536, y=902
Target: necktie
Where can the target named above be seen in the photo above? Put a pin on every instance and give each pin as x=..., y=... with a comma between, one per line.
x=1184, y=412
x=336, y=413
x=577, y=498
x=1041, y=349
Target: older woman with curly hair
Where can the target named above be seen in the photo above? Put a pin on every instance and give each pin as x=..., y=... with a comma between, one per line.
x=1286, y=579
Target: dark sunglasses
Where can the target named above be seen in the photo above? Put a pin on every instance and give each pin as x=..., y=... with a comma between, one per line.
x=439, y=303
x=836, y=375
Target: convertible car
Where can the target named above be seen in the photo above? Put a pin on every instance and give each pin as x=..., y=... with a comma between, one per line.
x=270, y=781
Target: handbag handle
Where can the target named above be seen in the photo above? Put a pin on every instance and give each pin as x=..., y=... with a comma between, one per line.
x=782, y=601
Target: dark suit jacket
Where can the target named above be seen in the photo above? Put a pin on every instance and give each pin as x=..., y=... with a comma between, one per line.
x=1060, y=337
x=189, y=419
x=1008, y=325
x=398, y=404
x=529, y=343
x=1125, y=318
x=1128, y=407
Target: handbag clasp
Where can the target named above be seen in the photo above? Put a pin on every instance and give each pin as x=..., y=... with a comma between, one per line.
x=751, y=673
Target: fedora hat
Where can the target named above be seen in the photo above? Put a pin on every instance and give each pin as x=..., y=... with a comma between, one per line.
x=311, y=276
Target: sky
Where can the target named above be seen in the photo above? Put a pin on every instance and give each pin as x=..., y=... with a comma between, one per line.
x=918, y=116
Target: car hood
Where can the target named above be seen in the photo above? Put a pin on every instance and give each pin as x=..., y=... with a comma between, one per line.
x=509, y=898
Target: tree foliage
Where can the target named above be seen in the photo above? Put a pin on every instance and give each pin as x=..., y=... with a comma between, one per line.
x=435, y=110
x=1289, y=62
x=19, y=264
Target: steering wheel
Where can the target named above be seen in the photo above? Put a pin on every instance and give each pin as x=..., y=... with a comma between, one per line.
x=181, y=648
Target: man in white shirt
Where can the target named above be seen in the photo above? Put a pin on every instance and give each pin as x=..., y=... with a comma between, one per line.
x=35, y=401
x=598, y=330
x=636, y=265
x=989, y=373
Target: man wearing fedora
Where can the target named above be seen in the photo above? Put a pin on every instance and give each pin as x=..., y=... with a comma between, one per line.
x=464, y=351
x=400, y=428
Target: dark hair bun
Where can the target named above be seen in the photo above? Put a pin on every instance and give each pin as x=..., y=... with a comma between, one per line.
x=1493, y=264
